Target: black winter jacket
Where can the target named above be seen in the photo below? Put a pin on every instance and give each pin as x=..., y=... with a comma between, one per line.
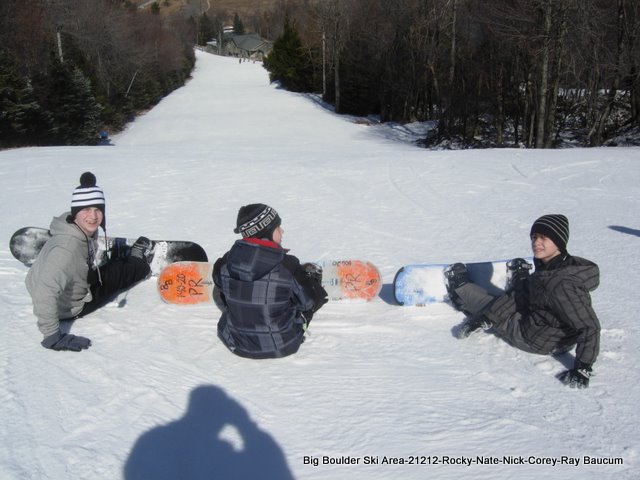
x=556, y=311
x=264, y=295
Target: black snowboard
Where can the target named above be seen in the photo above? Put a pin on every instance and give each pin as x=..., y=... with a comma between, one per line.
x=26, y=243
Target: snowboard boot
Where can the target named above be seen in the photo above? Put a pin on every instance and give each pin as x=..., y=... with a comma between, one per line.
x=457, y=276
x=142, y=249
x=119, y=250
x=518, y=270
x=472, y=325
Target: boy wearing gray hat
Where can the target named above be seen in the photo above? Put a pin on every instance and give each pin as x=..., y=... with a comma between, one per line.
x=546, y=312
x=65, y=282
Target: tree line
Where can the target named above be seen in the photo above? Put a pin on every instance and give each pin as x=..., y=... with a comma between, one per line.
x=69, y=69
x=530, y=73
x=533, y=73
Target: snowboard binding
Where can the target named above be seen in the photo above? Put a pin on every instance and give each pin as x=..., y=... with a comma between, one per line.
x=518, y=270
x=456, y=275
x=142, y=249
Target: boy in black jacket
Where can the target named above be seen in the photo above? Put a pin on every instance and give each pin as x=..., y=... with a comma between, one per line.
x=266, y=296
x=547, y=312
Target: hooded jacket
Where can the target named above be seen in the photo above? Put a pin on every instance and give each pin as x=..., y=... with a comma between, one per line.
x=558, y=310
x=264, y=292
x=58, y=279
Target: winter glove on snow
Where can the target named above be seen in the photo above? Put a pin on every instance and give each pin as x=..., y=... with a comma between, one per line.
x=65, y=341
x=577, y=377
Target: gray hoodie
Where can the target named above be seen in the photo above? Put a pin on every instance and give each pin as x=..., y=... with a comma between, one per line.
x=57, y=280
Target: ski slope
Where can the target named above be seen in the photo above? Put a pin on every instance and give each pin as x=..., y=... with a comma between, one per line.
x=158, y=396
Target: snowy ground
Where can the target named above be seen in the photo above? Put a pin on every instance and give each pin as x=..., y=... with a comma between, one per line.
x=374, y=381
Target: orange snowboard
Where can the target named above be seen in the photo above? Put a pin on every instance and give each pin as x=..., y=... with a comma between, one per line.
x=350, y=279
x=190, y=283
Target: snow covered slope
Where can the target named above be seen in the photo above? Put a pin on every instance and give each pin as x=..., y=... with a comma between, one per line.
x=157, y=395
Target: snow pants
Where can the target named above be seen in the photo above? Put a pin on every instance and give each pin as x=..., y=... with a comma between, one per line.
x=117, y=276
x=501, y=311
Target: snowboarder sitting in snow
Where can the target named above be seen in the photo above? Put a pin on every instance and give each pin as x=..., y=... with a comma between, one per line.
x=266, y=296
x=65, y=282
x=547, y=312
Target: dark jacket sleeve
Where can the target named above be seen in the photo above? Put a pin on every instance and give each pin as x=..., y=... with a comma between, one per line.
x=218, y=296
x=572, y=305
x=313, y=295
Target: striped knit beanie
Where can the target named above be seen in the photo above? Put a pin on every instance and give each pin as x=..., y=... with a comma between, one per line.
x=257, y=220
x=88, y=194
x=555, y=227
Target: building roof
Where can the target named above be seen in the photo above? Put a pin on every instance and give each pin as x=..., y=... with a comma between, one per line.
x=251, y=42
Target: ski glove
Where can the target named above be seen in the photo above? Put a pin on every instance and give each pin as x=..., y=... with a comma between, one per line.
x=576, y=377
x=313, y=271
x=65, y=341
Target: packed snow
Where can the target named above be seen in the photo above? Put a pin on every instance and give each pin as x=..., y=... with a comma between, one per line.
x=378, y=391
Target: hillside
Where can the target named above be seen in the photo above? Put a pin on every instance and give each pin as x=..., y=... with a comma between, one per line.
x=377, y=391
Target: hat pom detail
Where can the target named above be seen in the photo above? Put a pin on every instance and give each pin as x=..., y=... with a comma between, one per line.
x=87, y=179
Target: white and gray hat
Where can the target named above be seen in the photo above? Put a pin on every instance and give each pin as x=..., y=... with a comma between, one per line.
x=88, y=194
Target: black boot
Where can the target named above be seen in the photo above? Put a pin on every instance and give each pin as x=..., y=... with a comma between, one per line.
x=472, y=325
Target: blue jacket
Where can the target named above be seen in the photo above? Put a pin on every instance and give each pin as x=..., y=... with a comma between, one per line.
x=264, y=295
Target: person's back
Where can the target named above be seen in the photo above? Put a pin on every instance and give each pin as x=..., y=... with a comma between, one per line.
x=267, y=297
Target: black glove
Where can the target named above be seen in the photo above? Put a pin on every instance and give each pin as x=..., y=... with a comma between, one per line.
x=313, y=271
x=577, y=377
x=65, y=341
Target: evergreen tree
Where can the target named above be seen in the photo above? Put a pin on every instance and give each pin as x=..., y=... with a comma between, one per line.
x=22, y=121
x=288, y=62
x=238, y=26
x=206, y=31
x=68, y=96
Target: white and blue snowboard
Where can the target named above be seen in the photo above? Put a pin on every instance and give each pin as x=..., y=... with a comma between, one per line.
x=422, y=284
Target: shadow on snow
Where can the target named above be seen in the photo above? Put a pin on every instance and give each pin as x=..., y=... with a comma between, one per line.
x=214, y=439
x=627, y=230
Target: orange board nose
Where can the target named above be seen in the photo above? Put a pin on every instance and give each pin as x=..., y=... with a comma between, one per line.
x=359, y=279
x=186, y=283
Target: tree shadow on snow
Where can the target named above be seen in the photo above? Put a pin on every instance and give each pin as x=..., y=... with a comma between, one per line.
x=214, y=439
x=627, y=230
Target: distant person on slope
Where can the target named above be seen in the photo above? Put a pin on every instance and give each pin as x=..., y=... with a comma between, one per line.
x=65, y=282
x=546, y=312
x=266, y=296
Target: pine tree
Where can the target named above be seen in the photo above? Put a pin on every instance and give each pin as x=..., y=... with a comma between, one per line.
x=22, y=120
x=238, y=26
x=70, y=100
x=206, y=30
x=288, y=62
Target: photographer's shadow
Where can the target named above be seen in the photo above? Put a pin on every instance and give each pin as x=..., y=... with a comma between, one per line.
x=215, y=439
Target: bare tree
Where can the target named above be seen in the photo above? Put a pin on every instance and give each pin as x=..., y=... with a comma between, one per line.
x=597, y=129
